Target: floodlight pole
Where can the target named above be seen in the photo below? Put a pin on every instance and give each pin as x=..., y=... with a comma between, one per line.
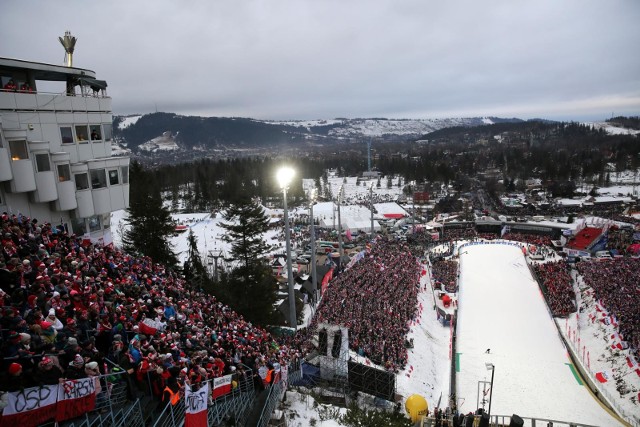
x=287, y=233
x=314, y=272
x=413, y=212
x=371, y=207
x=285, y=176
x=340, y=196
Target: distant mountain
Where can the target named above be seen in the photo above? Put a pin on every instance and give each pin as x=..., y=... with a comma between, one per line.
x=159, y=132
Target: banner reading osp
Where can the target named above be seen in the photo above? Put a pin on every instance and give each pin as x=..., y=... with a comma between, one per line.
x=30, y=407
x=196, y=406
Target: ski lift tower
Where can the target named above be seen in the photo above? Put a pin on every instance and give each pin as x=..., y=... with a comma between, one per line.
x=215, y=255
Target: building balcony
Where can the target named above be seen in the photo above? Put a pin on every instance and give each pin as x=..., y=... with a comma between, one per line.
x=24, y=178
x=5, y=165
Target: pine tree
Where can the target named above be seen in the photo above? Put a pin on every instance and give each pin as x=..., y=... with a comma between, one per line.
x=250, y=288
x=194, y=270
x=150, y=222
x=245, y=224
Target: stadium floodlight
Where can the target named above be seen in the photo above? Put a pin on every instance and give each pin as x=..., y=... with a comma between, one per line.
x=490, y=367
x=285, y=176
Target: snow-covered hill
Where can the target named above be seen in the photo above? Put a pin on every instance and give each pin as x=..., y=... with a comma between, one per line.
x=165, y=142
x=381, y=127
x=613, y=130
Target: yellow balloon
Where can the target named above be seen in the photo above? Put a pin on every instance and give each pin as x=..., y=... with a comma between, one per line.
x=416, y=407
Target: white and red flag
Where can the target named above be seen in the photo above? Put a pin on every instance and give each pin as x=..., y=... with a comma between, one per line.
x=221, y=386
x=76, y=397
x=196, y=406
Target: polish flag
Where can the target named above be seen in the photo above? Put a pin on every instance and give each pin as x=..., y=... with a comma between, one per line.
x=149, y=326
x=221, y=386
x=196, y=406
x=631, y=361
x=75, y=398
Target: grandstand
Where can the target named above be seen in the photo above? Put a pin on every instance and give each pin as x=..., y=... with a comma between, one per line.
x=585, y=239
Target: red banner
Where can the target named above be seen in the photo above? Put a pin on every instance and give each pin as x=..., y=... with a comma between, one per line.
x=325, y=280
x=76, y=397
x=221, y=386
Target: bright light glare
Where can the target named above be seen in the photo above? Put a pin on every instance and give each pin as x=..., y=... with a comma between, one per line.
x=285, y=175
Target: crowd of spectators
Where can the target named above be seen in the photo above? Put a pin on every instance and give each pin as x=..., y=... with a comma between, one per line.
x=556, y=282
x=625, y=218
x=445, y=273
x=531, y=239
x=616, y=285
x=453, y=234
x=376, y=300
x=620, y=239
x=71, y=309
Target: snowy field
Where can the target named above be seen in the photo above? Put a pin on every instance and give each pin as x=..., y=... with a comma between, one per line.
x=502, y=309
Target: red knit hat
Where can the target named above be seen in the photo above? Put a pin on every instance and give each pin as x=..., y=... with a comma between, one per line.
x=14, y=368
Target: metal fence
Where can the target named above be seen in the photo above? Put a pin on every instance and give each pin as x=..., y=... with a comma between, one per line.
x=113, y=408
x=129, y=416
x=233, y=406
x=497, y=420
x=276, y=391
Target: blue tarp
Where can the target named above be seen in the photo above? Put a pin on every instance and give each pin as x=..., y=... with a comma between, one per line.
x=310, y=375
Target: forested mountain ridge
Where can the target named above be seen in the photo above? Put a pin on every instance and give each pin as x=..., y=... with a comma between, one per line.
x=191, y=132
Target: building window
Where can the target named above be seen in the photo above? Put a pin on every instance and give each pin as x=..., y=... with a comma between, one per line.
x=42, y=163
x=82, y=135
x=107, y=222
x=82, y=181
x=78, y=226
x=108, y=131
x=94, y=224
x=64, y=173
x=113, y=177
x=66, y=134
x=19, y=150
x=96, y=135
x=98, y=178
x=125, y=174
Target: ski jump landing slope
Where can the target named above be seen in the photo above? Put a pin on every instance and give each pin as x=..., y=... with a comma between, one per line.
x=502, y=309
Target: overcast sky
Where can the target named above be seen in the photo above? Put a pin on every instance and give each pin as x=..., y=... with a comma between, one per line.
x=321, y=59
